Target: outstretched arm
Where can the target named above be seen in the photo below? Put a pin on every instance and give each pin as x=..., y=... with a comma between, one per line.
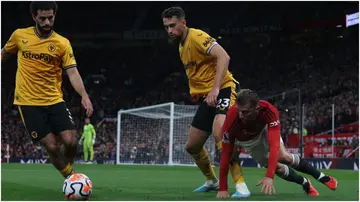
x=10, y=47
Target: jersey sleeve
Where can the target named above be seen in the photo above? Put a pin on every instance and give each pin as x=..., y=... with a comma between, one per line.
x=203, y=42
x=227, y=147
x=68, y=59
x=271, y=116
x=11, y=44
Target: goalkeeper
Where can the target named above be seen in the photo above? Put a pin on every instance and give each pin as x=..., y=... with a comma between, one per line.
x=88, y=137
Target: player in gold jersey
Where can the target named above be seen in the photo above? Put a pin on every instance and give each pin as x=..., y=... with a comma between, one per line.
x=42, y=56
x=213, y=86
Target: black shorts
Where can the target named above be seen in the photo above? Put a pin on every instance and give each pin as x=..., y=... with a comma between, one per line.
x=39, y=121
x=205, y=114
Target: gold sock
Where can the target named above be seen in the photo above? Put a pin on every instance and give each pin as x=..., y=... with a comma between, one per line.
x=68, y=170
x=219, y=145
x=202, y=160
x=236, y=173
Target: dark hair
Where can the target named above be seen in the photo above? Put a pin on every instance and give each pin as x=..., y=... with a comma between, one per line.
x=247, y=96
x=43, y=5
x=173, y=12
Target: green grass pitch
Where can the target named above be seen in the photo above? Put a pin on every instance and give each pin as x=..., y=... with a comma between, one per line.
x=161, y=183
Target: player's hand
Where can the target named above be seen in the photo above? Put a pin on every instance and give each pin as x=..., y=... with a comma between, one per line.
x=268, y=185
x=222, y=194
x=93, y=141
x=211, y=98
x=85, y=101
x=80, y=142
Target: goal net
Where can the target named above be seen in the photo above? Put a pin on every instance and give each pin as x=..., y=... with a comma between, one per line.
x=156, y=135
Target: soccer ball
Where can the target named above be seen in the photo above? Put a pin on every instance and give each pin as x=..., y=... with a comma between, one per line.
x=77, y=187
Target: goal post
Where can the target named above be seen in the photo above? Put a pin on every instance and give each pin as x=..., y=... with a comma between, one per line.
x=156, y=135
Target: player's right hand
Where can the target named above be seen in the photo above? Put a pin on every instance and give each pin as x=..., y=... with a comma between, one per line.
x=222, y=194
x=268, y=185
x=85, y=101
x=211, y=98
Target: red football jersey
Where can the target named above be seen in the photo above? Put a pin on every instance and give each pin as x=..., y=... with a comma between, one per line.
x=234, y=129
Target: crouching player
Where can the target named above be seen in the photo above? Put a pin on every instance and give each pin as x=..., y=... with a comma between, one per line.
x=254, y=124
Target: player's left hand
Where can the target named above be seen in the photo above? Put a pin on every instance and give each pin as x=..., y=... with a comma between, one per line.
x=93, y=141
x=268, y=185
x=222, y=194
x=85, y=101
x=211, y=98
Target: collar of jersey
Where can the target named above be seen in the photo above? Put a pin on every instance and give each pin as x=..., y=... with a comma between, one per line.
x=187, y=34
x=42, y=37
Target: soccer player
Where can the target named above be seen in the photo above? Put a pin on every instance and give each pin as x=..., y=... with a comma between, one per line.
x=213, y=87
x=255, y=125
x=88, y=137
x=42, y=56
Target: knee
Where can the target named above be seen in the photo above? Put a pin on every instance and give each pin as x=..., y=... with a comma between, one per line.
x=280, y=169
x=196, y=141
x=52, y=147
x=70, y=140
x=286, y=158
x=190, y=148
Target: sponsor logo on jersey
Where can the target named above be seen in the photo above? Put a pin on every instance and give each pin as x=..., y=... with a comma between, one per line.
x=42, y=56
x=208, y=41
x=190, y=64
x=274, y=123
x=226, y=139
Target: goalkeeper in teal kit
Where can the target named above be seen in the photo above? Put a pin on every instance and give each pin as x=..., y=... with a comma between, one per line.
x=88, y=137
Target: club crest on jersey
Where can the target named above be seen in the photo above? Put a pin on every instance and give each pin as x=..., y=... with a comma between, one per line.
x=52, y=48
x=34, y=134
x=226, y=139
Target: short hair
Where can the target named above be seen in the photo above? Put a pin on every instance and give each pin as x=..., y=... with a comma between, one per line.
x=43, y=5
x=173, y=12
x=247, y=96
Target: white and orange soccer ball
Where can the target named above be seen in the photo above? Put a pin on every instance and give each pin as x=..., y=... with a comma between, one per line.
x=77, y=187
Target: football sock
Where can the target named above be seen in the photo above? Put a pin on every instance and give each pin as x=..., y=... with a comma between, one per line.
x=235, y=169
x=304, y=167
x=68, y=170
x=236, y=172
x=219, y=145
x=291, y=176
x=202, y=160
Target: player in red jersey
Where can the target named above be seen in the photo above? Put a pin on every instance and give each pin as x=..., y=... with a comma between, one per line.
x=254, y=124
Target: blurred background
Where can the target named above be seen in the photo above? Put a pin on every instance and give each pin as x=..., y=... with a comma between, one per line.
x=300, y=56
